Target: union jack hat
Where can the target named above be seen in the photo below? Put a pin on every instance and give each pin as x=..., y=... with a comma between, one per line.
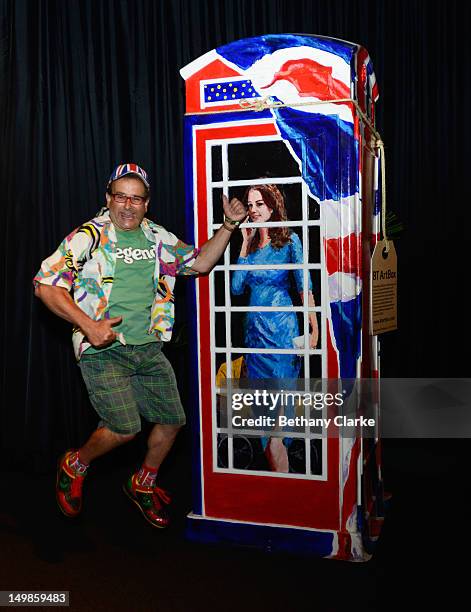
x=125, y=169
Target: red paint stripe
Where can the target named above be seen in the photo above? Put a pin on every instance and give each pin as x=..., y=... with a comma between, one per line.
x=362, y=77
x=343, y=254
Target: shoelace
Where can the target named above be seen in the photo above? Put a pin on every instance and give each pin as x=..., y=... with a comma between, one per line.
x=160, y=495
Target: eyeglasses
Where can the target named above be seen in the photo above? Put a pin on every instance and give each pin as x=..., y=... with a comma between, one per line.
x=121, y=198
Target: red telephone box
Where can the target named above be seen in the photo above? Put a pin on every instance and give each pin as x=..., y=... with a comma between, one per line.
x=296, y=112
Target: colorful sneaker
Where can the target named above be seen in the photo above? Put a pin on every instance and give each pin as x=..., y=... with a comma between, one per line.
x=69, y=486
x=149, y=500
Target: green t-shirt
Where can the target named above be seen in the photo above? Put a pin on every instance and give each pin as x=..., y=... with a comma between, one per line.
x=133, y=288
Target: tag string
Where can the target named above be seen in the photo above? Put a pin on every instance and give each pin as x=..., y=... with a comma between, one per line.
x=263, y=104
x=380, y=146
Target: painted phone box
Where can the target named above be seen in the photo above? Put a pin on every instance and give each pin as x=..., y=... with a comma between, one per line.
x=292, y=114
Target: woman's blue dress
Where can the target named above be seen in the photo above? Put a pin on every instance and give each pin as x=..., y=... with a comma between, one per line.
x=271, y=329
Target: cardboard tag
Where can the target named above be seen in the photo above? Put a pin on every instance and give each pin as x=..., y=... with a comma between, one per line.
x=383, y=293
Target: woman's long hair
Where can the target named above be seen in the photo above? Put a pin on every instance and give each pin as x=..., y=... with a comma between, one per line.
x=273, y=198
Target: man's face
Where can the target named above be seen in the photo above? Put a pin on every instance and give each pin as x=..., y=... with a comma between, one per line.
x=127, y=215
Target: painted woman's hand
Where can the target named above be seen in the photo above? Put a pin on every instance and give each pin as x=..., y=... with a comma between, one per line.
x=248, y=233
x=314, y=337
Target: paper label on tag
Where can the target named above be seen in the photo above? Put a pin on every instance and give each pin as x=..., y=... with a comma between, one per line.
x=383, y=294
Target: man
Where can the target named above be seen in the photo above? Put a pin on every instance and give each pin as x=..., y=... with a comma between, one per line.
x=121, y=269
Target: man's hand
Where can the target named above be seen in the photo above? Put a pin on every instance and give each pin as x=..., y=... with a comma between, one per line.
x=101, y=333
x=60, y=302
x=212, y=250
x=234, y=209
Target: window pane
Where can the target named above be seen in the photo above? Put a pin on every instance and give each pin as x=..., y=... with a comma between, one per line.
x=223, y=460
x=236, y=365
x=297, y=456
x=316, y=456
x=221, y=409
x=220, y=329
x=216, y=162
x=260, y=159
x=316, y=286
x=238, y=329
x=314, y=210
x=314, y=245
x=218, y=212
x=235, y=247
x=248, y=453
x=315, y=365
x=219, y=288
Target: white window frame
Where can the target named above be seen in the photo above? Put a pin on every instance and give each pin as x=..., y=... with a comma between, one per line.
x=227, y=309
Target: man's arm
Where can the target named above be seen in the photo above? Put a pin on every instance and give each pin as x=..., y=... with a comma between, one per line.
x=212, y=250
x=60, y=302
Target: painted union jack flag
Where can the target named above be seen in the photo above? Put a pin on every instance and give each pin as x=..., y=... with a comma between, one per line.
x=296, y=71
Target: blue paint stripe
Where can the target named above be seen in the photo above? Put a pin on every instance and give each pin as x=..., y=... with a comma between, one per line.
x=328, y=149
x=208, y=118
x=346, y=321
x=245, y=52
x=193, y=399
x=264, y=537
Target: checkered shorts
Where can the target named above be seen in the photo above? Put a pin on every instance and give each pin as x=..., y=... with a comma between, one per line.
x=127, y=382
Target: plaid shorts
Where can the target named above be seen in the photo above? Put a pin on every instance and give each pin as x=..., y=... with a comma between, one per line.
x=127, y=382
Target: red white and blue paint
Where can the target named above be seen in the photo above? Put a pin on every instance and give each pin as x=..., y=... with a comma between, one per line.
x=317, y=89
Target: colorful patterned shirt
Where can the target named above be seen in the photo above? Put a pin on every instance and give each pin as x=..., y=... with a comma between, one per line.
x=85, y=262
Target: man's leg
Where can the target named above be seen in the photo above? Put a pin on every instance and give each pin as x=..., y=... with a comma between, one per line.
x=159, y=402
x=107, y=376
x=160, y=442
x=73, y=467
x=141, y=487
x=101, y=442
